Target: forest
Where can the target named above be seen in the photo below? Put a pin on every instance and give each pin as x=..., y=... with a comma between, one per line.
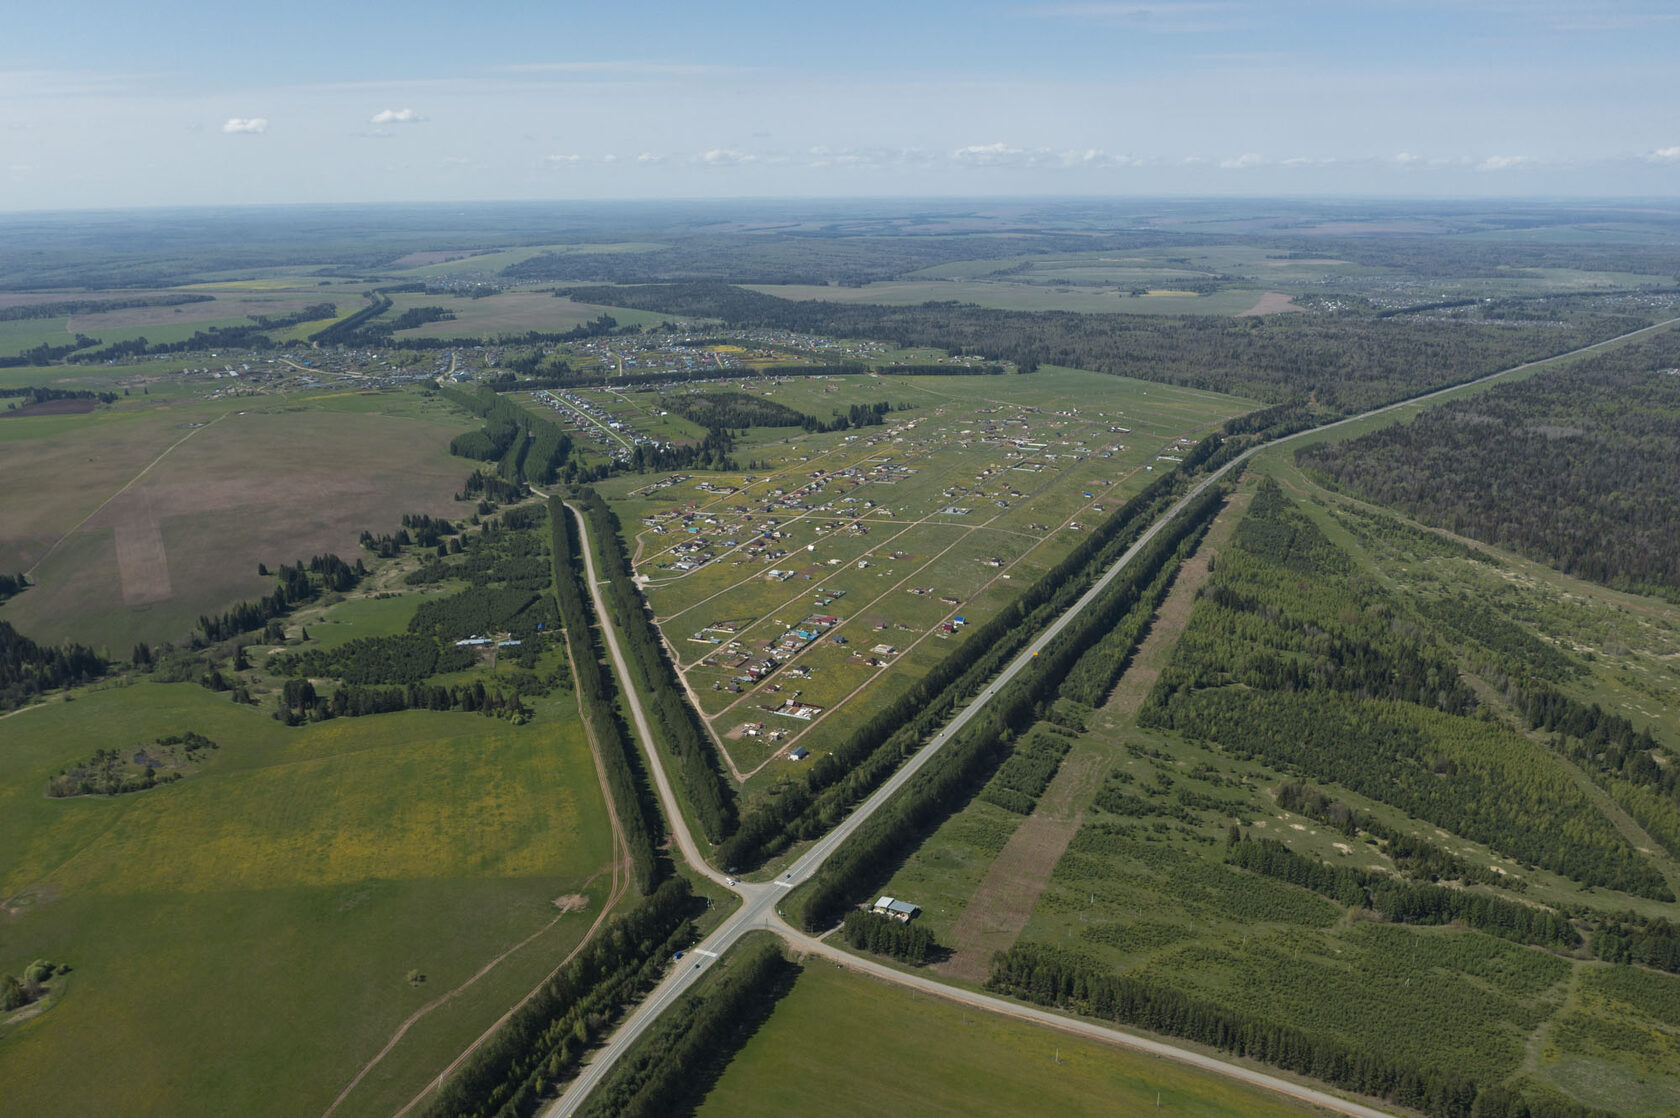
x=1340, y=363
x=525, y=447
x=299, y=582
x=680, y=729
x=908, y=940
x=1292, y=658
x=1577, y=467
x=28, y=668
x=1051, y=976
x=719, y=411
x=1405, y=902
x=113, y=772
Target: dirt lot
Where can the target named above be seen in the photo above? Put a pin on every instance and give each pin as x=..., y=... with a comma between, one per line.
x=1272, y=302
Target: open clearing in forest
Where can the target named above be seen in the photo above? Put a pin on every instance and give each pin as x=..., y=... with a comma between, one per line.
x=1272, y=302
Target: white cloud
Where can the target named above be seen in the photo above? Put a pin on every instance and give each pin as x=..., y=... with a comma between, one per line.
x=396, y=116
x=1002, y=155
x=1665, y=155
x=1096, y=157
x=247, y=125
x=724, y=157
x=1243, y=161
x=609, y=158
x=650, y=157
x=989, y=155
x=1503, y=162
x=562, y=160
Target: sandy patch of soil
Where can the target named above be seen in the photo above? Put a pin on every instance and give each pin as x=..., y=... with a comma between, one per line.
x=1272, y=302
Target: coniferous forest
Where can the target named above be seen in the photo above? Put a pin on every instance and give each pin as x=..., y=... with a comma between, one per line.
x=1577, y=467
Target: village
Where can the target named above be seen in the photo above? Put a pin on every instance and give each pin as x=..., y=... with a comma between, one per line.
x=842, y=565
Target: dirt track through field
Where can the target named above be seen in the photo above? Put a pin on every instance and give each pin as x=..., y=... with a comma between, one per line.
x=126, y=487
x=1006, y=896
x=1004, y=900
x=1174, y=614
x=1272, y=302
x=141, y=562
x=616, y=891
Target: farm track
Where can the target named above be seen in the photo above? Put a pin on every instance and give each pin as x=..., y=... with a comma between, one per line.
x=615, y=893
x=1004, y=901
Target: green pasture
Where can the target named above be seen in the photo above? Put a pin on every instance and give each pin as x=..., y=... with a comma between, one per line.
x=839, y=1041
x=364, y=617
x=242, y=940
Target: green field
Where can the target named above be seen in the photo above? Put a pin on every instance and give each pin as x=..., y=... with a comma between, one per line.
x=510, y=312
x=242, y=940
x=136, y=519
x=839, y=1041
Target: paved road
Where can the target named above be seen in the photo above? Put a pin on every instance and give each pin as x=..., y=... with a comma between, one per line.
x=759, y=900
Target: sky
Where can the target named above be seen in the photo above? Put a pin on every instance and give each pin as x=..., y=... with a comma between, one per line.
x=108, y=103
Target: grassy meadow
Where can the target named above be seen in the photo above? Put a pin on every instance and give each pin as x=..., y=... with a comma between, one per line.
x=245, y=939
x=839, y=1041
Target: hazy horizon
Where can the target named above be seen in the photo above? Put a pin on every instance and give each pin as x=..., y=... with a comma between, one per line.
x=109, y=106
